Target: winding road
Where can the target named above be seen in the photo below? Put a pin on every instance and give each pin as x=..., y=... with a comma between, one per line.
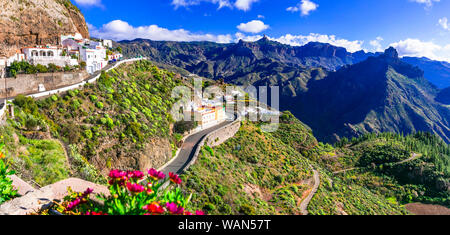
x=305, y=203
x=187, y=152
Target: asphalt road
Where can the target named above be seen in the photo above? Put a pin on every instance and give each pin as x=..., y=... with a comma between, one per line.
x=188, y=149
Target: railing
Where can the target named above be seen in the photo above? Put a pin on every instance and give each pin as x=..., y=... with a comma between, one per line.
x=78, y=85
x=2, y=109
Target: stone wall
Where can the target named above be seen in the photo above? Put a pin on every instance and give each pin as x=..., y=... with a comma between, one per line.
x=216, y=138
x=29, y=83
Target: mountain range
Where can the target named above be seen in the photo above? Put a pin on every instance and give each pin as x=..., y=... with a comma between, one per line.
x=336, y=92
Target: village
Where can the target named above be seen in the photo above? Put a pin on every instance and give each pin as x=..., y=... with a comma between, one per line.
x=73, y=51
x=93, y=55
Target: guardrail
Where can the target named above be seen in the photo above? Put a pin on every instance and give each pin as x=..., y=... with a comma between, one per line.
x=2, y=110
x=78, y=85
x=3, y=106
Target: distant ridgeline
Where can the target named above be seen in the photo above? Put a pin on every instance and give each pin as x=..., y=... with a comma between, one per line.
x=368, y=92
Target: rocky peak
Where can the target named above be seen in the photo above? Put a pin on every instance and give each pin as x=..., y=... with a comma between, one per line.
x=37, y=22
x=391, y=53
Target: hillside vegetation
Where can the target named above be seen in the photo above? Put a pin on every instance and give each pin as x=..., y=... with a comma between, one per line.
x=122, y=121
x=266, y=173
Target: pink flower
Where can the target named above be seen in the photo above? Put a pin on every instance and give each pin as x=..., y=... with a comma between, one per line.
x=135, y=188
x=117, y=177
x=174, y=209
x=174, y=178
x=74, y=204
x=156, y=175
x=199, y=213
x=87, y=192
x=135, y=175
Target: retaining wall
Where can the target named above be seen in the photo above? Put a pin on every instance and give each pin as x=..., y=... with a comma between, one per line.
x=216, y=138
x=29, y=83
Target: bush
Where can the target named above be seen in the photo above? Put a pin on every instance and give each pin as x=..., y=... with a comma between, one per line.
x=7, y=191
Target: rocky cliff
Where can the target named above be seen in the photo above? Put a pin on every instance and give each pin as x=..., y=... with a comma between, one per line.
x=31, y=22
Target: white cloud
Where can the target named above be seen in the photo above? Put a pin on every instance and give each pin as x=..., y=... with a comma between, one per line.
x=418, y=48
x=427, y=3
x=261, y=17
x=254, y=26
x=187, y=3
x=300, y=40
x=121, y=30
x=444, y=23
x=89, y=2
x=244, y=5
x=305, y=7
x=376, y=44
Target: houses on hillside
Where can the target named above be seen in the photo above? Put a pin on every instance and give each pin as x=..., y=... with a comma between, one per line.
x=72, y=51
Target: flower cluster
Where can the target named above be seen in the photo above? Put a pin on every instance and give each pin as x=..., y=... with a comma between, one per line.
x=79, y=200
x=134, y=193
x=174, y=178
x=171, y=208
x=156, y=175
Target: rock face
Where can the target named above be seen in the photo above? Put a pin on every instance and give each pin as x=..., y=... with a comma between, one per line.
x=37, y=22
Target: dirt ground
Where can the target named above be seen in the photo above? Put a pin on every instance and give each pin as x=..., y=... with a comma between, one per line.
x=426, y=209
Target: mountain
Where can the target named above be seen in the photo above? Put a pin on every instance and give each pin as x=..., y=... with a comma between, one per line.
x=338, y=93
x=216, y=61
x=437, y=72
x=37, y=22
x=380, y=94
x=263, y=62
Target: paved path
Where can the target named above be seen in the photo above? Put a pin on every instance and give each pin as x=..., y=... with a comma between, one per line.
x=179, y=163
x=305, y=203
x=412, y=158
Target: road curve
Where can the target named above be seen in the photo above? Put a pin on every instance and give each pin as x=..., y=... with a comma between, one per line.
x=305, y=203
x=188, y=149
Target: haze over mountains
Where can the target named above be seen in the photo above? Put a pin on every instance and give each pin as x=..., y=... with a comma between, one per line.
x=337, y=93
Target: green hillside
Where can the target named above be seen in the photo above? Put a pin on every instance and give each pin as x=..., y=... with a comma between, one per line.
x=270, y=173
x=122, y=121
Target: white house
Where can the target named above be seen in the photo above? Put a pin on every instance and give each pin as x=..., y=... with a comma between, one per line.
x=45, y=55
x=94, y=58
x=107, y=43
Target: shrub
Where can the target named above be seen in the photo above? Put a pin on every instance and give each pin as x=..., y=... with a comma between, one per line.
x=99, y=105
x=7, y=191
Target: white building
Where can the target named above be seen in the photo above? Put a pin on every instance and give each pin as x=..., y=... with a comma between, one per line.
x=45, y=55
x=107, y=43
x=94, y=58
x=91, y=52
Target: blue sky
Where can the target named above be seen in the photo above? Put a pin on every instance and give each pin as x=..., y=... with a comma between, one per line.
x=414, y=27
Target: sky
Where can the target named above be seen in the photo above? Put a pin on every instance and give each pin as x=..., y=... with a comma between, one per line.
x=414, y=27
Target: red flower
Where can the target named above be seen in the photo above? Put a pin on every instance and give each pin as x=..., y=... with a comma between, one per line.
x=154, y=208
x=95, y=213
x=156, y=175
x=135, y=188
x=174, y=178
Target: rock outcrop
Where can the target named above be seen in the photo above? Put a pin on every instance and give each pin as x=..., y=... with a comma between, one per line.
x=37, y=22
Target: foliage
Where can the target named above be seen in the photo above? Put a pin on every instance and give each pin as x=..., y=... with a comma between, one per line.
x=23, y=67
x=7, y=191
x=131, y=194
